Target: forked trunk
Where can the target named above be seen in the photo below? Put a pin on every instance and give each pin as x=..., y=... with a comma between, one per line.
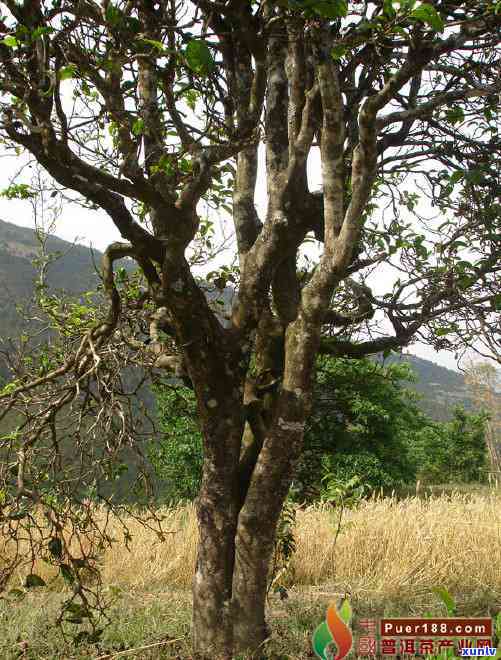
x=235, y=548
x=229, y=592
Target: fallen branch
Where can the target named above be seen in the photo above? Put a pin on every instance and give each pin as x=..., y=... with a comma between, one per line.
x=139, y=648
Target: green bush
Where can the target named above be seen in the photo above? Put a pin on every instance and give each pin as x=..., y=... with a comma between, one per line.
x=177, y=458
x=365, y=424
x=452, y=452
x=361, y=417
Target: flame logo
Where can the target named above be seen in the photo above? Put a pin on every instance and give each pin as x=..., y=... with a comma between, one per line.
x=334, y=629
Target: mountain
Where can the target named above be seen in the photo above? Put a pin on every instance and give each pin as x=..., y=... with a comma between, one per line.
x=74, y=271
x=440, y=389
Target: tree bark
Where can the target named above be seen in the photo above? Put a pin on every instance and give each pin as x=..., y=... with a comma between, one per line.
x=212, y=584
x=236, y=544
x=257, y=522
x=217, y=513
x=254, y=549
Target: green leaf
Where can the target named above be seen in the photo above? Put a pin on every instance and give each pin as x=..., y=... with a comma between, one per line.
x=454, y=115
x=55, y=546
x=138, y=127
x=345, y=611
x=191, y=97
x=456, y=176
x=474, y=176
x=40, y=31
x=429, y=15
x=338, y=52
x=33, y=580
x=19, y=515
x=113, y=15
x=10, y=41
x=134, y=24
x=85, y=636
x=446, y=599
x=498, y=624
x=388, y=9
x=76, y=609
x=67, y=573
x=327, y=8
x=496, y=304
x=441, y=332
x=164, y=165
x=156, y=44
x=127, y=85
x=74, y=619
x=198, y=57
x=185, y=165
x=67, y=72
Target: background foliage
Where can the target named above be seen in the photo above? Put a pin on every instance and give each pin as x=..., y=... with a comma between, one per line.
x=366, y=423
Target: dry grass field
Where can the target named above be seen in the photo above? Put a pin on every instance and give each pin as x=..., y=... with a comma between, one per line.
x=389, y=556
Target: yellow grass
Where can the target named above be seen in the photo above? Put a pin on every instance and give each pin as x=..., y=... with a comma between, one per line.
x=394, y=548
x=386, y=547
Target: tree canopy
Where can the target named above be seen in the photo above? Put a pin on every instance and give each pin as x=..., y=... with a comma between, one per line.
x=152, y=111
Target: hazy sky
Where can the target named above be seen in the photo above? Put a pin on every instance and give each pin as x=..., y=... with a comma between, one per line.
x=93, y=228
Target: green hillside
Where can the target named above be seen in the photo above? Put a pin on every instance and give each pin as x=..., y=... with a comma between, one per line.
x=73, y=272
x=440, y=389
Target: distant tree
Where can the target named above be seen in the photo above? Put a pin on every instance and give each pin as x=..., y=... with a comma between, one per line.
x=177, y=457
x=148, y=111
x=361, y=421
x=365, y=423
x=451, y=452
x=483, y=382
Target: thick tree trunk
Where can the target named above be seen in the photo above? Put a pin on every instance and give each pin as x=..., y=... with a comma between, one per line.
x=231, y=577
x=217, y=512
x=212, y=584
x=254, y=549
x=237, y=529
x=258, y=520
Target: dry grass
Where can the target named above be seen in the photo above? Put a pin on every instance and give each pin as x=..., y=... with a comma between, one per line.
x=389, y=555
x=391, y=547
x=385, y=547
x=170, y=562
